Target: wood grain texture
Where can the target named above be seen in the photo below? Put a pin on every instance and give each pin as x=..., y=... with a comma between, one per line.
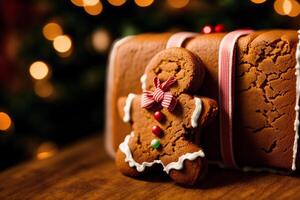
x=84, y=171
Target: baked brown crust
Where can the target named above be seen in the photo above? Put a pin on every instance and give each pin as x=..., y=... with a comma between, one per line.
x=254, y=142
x=181, y=64
x=130, y=62
x=177, y=128
x=265, y=97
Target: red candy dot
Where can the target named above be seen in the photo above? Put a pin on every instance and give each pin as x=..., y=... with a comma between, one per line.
x=219, y=28
x=159, y=116
x=156, y=130
x=207, y=29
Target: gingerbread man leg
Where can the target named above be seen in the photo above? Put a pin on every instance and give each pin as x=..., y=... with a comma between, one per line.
x=129, y=160
x=188, y=163
x=192, y=171
x=124, y=167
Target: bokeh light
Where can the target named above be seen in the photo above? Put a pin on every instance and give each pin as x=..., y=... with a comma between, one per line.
x=116, y=2
x=46, y=150
x=66, y=54
x=295, y=9
x=258, y=1
x=278, y=7
x=78, y=2
x=90, y=2
x=287, y=7
x=43, y=89
x=62, y=43
x=39, y=70
x=52, y=30
x=101, y=40
x=207, y=29
x=5, y=121
x=178, y=3
x=143, y=3
x=95, y=9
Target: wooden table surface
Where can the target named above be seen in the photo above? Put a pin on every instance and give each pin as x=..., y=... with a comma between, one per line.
x=84, y=171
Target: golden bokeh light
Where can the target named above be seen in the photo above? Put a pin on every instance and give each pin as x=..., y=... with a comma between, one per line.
x=90, y=2
x=143, y=3
x=258, y=1
x=43, y=89
x=95, y=9
x=287, y=6
x=66, y=54
x=39, y=70
x=62, y=43
x=52, y=30
x=46, y=150
x=5, y=121
x=295, y=9
x=178, y=3
x=78, y=2
x=101, y=40
x=116, y=2
x=278, y=7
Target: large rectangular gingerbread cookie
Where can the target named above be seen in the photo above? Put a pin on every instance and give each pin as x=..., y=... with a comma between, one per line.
x=265, y=92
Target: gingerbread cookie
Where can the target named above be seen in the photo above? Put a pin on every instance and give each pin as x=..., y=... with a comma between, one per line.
x=166, y=118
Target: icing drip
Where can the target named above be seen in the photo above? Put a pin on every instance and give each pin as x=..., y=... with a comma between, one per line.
x=296, y=123
x=141, y=167
x=197, y=112
x=143, y=80
x=127, y=107
x=179, y=164
x=128, y=156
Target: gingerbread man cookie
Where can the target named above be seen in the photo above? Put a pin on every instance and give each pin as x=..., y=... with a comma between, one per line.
x=166, y=119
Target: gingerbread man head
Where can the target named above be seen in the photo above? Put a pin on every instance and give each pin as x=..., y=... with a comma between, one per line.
x=166, y=119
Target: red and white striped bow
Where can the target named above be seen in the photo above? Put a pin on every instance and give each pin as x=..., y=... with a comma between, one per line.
x=160, y=95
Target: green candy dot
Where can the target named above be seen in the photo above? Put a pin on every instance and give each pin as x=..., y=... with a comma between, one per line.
x=155, y=143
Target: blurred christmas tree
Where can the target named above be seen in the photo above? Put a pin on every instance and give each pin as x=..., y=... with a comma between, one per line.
x=54, y=53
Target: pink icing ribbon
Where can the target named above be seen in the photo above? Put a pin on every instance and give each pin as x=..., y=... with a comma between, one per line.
x=226, y=94
x=160, y=95
x=177, y=39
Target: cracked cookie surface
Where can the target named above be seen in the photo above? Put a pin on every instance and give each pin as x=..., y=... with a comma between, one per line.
x=174, y=147
x=265, y=86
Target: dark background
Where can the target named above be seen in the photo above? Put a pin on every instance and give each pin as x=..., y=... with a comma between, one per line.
x=68, y=104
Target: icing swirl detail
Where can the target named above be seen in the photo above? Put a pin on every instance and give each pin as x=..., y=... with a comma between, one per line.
x=141, y=167
x=296, y=122
x=197, y=112
x=127, y=107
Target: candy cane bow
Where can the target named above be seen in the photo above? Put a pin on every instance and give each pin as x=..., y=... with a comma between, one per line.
x=160, y=95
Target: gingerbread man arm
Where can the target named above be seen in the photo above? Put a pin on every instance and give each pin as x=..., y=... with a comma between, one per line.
x=209, y=111
x=197, y=111
x=125, y=107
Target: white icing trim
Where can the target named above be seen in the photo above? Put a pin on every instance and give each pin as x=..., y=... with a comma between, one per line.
x=143, y=80
x=179, y=164
x=197, y=112
x=296, y=122
x=128, y=156
x=127, y=107
x=141, y=167
x=109, y=82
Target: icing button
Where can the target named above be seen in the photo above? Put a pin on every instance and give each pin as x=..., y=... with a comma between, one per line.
x=155, y=143
x=156, y=130
x=159, y=116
